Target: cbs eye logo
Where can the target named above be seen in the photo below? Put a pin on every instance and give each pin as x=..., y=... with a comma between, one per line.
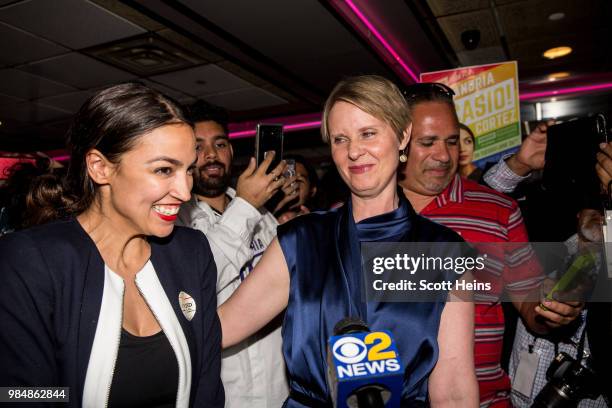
x=351, y=350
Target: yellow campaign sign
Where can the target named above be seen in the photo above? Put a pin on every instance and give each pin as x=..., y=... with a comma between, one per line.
x=487, y=100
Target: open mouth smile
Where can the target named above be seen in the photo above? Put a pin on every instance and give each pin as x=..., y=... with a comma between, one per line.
x=166, y=212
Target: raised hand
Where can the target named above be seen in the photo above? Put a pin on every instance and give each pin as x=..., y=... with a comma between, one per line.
x=257, y=187
x=531, y=154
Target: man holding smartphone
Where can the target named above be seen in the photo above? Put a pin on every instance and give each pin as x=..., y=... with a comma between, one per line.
x=480, y=215
x=238, y=229
x=506, y=176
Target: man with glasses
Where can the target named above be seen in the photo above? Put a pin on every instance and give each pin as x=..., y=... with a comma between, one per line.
x=480, y=215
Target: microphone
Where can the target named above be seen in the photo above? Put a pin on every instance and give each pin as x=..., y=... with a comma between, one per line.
x=364, y=369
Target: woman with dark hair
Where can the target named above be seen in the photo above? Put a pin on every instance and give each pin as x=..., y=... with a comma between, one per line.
x=113, y=301
x=313, y=267
x=467, y=144
x=30, y=195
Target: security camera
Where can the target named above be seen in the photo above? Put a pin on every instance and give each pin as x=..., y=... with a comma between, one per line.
x=470, y=39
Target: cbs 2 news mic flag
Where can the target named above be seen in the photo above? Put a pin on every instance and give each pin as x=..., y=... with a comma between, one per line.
x=363, y=359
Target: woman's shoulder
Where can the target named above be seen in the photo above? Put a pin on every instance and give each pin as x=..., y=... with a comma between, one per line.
x=45, y=253
x=314, y=221
x=54, y=237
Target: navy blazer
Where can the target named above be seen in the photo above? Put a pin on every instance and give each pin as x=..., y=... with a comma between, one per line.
x=51, y=285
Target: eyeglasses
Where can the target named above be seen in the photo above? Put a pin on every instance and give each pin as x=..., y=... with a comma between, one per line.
x=415, y=91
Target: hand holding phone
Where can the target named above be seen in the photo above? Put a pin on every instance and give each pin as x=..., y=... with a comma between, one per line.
x=257, y=185
x=269, y=138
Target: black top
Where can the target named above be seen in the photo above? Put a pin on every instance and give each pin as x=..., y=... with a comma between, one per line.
x=146, y=372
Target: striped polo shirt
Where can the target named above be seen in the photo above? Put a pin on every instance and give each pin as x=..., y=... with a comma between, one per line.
x=482, y=215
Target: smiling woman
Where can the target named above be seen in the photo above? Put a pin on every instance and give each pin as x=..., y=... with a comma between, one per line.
x=113, y=301
x=313, y=267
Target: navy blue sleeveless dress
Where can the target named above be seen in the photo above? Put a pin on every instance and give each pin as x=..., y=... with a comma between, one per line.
x=322, y=251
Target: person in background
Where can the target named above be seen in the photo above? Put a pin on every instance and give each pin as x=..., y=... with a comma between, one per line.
x=23, y=205
x=313, y=267
x=239, y=229
x=306, y=182
x=467, y=144
x=512, y=169
x=506, y=176
x=113, y=301
x=480, y=215
x=332, y=192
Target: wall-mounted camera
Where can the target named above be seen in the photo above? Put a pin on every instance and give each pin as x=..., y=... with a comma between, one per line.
x=470, y=39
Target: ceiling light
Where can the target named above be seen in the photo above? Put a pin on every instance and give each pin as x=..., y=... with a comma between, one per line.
x=556, y=16
x=557, y=52
x=558, y=75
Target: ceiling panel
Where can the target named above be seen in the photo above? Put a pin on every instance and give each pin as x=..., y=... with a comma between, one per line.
x=174, y=94
x=500, y=2
x=446, y=7
x=202, y=80
x=8, y=100
x=295, y=20
x=587, y=56
x=482, y=20
x=32, y=113
x=481, y=55
x=70, y=102
x=289, y=33
x=78, y=70
x=89, y=24
x=18, y=46
x=336, y=67
x=27, y=86
x=245, y=99
x=520, y=22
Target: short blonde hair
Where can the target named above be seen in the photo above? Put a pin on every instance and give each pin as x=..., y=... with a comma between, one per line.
x=374, y=95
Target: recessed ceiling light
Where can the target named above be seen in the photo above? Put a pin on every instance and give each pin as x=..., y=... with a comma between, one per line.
x=558, y=75
x=557, y=52
x=556, y=16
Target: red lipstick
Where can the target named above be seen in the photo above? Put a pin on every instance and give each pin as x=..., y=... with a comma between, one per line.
x=167, y=217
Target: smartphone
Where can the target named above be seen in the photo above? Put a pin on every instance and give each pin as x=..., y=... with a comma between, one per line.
x=269, y=137
x=571, y=151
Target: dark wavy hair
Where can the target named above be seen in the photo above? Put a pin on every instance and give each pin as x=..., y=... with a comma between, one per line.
x=202, y=111
x=31, y=194
x=111, y=121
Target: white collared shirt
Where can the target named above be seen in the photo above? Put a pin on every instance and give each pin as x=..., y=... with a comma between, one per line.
x=253, y=372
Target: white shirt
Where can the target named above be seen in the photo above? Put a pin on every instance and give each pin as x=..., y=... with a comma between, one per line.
x=105, y=348
x=253, y=372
